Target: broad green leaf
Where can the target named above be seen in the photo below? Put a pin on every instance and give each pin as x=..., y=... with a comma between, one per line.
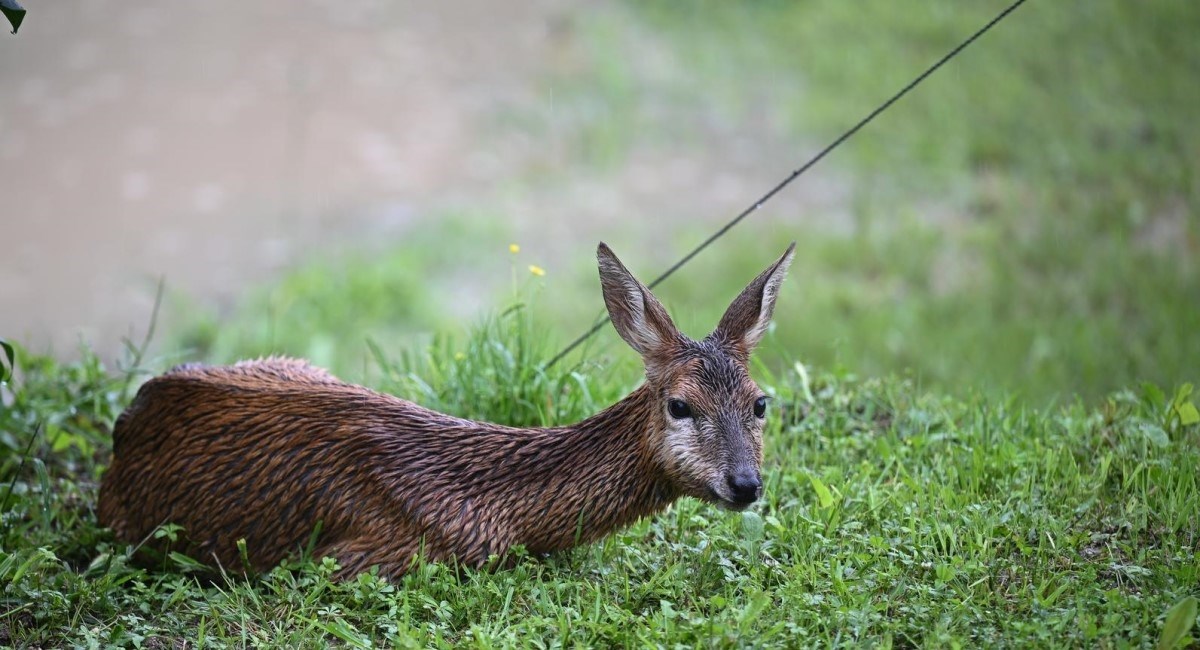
x=824, y=496
x=1155, y=434
x=668, y=609
x=1187, y=413
x=344, y=631
x=752, y=526
x=1183, y=393
x=1184, y=407
x=1180, y=620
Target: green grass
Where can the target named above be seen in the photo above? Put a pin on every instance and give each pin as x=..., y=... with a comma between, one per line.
x=892, y=516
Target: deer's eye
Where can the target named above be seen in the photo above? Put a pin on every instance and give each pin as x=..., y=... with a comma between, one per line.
x=760, y=407
x=679, y=409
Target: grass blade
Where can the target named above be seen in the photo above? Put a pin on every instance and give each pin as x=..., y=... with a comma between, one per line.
x=824, y=496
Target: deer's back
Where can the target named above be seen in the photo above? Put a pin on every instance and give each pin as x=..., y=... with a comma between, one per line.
x=259, y=451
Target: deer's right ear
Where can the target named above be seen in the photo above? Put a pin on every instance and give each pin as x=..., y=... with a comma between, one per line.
x=638, y=316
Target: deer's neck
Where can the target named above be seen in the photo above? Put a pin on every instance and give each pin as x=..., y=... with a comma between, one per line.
x=594, y=477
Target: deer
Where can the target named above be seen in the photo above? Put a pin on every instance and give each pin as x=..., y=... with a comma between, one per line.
x=263, y=460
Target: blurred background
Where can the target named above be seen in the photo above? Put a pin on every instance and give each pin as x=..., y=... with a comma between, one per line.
x=308, y=176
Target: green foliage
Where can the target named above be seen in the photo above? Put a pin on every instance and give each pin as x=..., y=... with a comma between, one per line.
x=1182, y=407
x=891, y=516
x=54, y=432
x=69, y=407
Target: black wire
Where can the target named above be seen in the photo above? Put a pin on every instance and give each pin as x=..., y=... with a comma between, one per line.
x=814, y=160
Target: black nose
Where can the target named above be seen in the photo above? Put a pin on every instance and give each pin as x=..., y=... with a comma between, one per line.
x=745, y=486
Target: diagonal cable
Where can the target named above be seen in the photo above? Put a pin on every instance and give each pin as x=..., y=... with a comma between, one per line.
x=795, y=174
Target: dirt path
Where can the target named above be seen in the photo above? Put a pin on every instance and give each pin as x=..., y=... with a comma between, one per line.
x=214, y=143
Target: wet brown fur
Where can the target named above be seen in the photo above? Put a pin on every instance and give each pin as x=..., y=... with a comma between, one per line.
x=270, y=450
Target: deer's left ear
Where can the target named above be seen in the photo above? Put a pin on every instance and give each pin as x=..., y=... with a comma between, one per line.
x=746, y=320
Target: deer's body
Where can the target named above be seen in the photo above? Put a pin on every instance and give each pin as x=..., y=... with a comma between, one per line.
x=264, y=450
x=279, y=453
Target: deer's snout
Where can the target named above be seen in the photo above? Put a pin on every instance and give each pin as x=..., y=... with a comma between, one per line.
x=745, y=486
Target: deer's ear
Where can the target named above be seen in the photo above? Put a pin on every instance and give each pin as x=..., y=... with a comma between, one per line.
x=638, y=316
x=746, y=320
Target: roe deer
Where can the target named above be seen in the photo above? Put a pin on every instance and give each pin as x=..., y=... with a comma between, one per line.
x=270, y=451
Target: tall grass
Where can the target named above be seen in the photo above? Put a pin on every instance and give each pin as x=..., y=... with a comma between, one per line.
x=497, y=373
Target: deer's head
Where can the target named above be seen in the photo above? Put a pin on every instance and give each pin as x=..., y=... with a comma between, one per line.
x=709, y=414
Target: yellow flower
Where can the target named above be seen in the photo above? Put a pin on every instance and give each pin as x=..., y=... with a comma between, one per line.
x=514, y=249
x=537, y=270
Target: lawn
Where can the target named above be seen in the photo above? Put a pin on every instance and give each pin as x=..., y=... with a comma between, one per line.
x=892, y=517
x=983, y=431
